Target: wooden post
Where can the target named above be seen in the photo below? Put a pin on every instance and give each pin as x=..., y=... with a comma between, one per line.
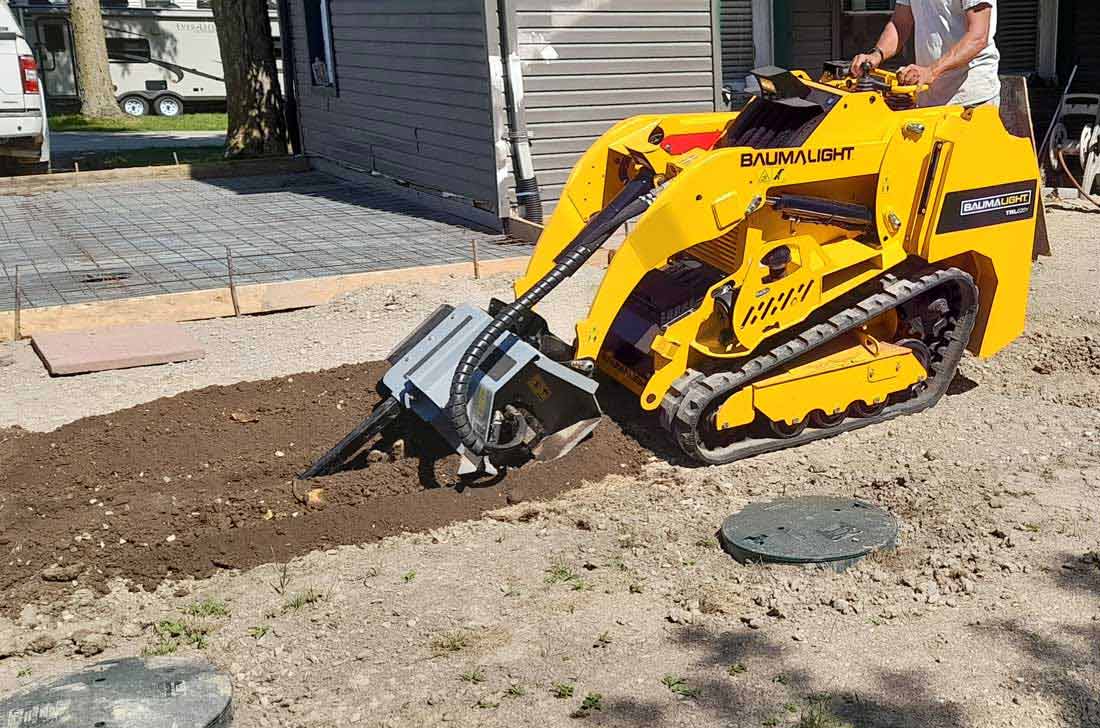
x=477, y=264
x=232, y=282
x=16, y=334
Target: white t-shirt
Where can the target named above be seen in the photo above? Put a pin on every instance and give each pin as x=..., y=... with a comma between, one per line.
x=940, y=25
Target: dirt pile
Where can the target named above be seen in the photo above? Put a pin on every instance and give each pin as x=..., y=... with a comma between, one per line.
x=205, y=480
x=1073, y=355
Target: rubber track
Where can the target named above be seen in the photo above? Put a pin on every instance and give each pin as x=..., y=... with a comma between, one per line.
x=693, y=393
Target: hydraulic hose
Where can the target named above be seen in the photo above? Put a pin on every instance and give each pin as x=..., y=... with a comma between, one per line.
x=634, y=199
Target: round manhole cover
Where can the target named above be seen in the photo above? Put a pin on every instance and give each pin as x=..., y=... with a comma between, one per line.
x=810, y=530
x=156, y=692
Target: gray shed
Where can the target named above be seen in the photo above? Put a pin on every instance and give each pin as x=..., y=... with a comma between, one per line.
x=420, y=90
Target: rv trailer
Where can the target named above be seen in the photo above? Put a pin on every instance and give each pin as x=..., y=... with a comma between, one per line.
x=163, y=54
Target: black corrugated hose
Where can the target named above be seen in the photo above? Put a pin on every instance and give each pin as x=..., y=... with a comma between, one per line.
x=634, y=199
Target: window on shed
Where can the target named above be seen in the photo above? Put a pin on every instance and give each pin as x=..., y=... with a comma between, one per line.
x=1018, y=35
x=860, y=6
x=322, y=60
x=128, y=50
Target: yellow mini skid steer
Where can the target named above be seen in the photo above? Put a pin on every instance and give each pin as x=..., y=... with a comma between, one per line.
x=816, y=263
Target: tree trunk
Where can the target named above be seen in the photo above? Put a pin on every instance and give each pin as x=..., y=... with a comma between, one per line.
x=253, y=99
x=93, y=75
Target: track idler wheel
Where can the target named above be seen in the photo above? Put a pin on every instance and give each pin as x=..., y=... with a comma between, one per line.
x=863, y=410
x=786, y=431
x=820, y=420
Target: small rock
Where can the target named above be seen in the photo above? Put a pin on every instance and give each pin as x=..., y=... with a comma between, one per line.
x=92, y=644
x=65, y=573
x=752, y=622
x=42, y=643
x=376, y=456
x=996, y=503
x=398, y=450
x=315, y=498
x=680, y=616
x=841, y=605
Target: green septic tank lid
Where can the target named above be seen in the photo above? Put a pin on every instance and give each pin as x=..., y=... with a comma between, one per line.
x=154, y=692
x=834, y=532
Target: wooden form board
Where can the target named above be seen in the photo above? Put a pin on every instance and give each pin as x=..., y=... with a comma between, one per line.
x=35, y=184
x=217, y=302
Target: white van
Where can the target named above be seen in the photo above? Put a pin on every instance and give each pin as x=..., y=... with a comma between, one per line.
x=24, y=132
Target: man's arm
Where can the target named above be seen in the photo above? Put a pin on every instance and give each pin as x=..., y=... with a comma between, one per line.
x=978, y=19
x=894, y=37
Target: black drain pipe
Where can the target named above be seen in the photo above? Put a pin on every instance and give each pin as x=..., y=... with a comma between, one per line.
x=523, y=167
x=634, y=199
x=290, y=89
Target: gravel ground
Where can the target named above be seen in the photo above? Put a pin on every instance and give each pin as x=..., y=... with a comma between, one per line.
x=613, y=605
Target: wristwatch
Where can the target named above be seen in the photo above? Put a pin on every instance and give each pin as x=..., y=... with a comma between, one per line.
x=881, y=53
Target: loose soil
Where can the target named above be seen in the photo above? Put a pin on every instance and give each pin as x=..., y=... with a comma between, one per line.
x=205, y=480
x=610, y=604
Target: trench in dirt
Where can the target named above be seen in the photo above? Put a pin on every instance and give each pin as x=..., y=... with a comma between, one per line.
x=205, y=480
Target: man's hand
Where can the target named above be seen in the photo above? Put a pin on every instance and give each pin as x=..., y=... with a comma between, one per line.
x=874, y=59
x=916, y=76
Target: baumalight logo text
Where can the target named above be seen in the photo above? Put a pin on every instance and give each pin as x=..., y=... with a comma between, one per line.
x=1011, y=203
x=796, y=156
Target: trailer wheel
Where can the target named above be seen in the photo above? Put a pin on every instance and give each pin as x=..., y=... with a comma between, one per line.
x=168, y=106
x=134, y=106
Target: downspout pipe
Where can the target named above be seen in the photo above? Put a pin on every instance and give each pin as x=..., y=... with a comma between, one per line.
x=523, y=166
x=290, y=90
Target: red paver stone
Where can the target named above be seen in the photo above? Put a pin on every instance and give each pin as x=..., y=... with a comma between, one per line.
x=79, y=352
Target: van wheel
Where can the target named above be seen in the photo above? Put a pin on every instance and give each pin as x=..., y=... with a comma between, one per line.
x=168, y=106
x=134, y=106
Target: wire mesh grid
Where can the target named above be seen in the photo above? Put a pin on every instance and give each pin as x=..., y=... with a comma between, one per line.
x=109, y=242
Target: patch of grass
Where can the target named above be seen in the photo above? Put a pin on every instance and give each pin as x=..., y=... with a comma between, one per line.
x=487, y=704
x=579, y=584
x=208, y=608
x=1031, y=527
x=173, y=634
x=24, y=672
x=560, y=573
x=736, y=669
x=258, y=632
x=515, y=691
x=300, y=600
x=591, y=702
x=473, y=676
x=146, y=157
x=408, y=576
x=282, y=577
x=562, y=690
x=679, y=686
x=450, y=642
x=818, y=714
x=184, y=122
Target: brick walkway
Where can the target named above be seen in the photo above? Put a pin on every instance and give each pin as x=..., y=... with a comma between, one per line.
x=118, y=241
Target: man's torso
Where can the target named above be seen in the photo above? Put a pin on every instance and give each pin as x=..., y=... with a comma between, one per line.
x=940, y=25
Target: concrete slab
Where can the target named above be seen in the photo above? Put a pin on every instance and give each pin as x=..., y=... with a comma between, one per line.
x=80, y=352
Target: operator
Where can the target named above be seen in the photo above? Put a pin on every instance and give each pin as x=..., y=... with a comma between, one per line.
x=956, y=55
